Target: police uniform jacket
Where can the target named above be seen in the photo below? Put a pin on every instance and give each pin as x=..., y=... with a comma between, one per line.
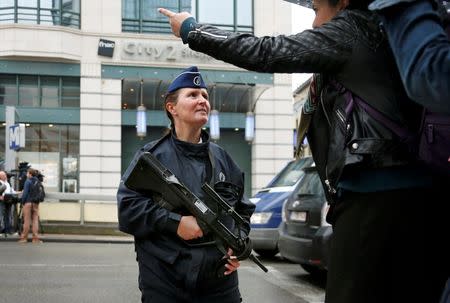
x=155, y=227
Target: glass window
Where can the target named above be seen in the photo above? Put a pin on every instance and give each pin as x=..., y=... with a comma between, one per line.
x=130, y=93
x=32, y=133
x=48, y=150
x=49, y=91
x=27, y=3
x=38, y=91
x=2, y=142
x=310, y=185
x=8, y=90
x=216, y=12
x=57, y=142
x=245, y=12
x=72, y=148
x=290, y=174
x=6, y=3
x=142, y=15
x=70, y=96
x=48, y=146
x=28, y=91
x=49, y=132
x=73, y=133
x=49, y=12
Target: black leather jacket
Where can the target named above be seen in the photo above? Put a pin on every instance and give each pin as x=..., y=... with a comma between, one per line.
x=350, y=49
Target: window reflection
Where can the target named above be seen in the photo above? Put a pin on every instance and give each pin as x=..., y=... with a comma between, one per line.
x=49, y=91
x=8, y=90
x=39, y=91
x=216, y=12
x=142, y=15
x=49, y=12
x=48, y=148
x=245, y=13
x=50, y=132
x=28, y=91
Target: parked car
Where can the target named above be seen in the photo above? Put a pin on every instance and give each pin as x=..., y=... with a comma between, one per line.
x=304, y=235
x=266, y=219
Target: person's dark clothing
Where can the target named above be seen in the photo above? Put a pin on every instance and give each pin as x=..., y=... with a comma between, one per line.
x=421, y=48
x=380, y=239
x=171, y=270
x=337, y=50
x=362, y=164
x=27, y=188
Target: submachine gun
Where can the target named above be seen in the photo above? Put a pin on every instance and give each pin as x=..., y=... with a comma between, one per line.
x=150, y=176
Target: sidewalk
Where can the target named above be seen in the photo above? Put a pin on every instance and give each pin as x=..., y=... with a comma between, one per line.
x=74, y=238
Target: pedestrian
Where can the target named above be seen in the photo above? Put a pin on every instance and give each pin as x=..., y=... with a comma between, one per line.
x=177, y=259
x=30, y=208
x=7, y=209
x=2, y=207
x=421, y=48
x=418, y=33
x=374, y=185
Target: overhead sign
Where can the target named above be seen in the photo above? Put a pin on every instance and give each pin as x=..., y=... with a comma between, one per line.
x=17, y=136
x=106, y=48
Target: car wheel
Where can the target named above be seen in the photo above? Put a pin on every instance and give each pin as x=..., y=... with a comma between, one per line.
x=267, y=253
x=314, y=270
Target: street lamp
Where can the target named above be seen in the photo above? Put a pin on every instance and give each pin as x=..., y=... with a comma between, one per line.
x=214, y=125
x=249, y=126
x=141, y=115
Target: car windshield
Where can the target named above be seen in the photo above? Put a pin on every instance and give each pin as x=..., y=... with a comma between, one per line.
x=310, y=185
x=290, y=174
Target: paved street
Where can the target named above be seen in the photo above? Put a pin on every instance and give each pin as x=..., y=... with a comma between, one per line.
x=55, y=272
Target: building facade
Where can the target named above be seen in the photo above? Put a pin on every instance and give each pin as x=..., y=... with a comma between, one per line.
x=76, y=72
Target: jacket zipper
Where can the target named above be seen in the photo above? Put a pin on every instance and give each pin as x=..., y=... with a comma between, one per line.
x=212, y=35
x=330, y=188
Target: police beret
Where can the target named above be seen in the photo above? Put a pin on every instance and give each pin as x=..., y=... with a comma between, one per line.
x=190, y=77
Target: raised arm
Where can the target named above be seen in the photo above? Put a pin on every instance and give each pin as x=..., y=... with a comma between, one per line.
x=421, y=49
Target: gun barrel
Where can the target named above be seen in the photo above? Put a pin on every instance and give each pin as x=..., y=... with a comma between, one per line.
x=257, y=262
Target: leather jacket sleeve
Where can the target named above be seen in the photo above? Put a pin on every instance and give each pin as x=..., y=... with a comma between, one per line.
x=324, y=49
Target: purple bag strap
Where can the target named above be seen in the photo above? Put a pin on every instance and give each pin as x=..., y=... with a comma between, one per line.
x=399, y=130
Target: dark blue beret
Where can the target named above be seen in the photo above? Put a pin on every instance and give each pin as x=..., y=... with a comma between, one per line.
x=190, y=77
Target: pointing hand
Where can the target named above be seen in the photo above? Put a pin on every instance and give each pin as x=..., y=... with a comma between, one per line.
x=175, y=19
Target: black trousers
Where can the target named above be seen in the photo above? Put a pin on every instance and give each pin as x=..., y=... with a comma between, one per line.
x=389, y=247
x=191, y=279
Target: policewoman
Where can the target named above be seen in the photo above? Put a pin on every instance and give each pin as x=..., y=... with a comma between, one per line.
x=178, y=261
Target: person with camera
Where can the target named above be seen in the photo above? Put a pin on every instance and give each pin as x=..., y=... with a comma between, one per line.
x=7, y=208
x=30, y=210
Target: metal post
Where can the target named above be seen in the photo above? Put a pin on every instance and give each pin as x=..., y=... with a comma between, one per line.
x=10, y=155
x=82, y=203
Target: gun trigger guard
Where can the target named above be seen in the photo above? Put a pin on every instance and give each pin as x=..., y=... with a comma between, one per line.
x=220, y=268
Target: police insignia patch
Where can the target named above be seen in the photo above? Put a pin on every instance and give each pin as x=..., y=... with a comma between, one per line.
x=196, y=80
